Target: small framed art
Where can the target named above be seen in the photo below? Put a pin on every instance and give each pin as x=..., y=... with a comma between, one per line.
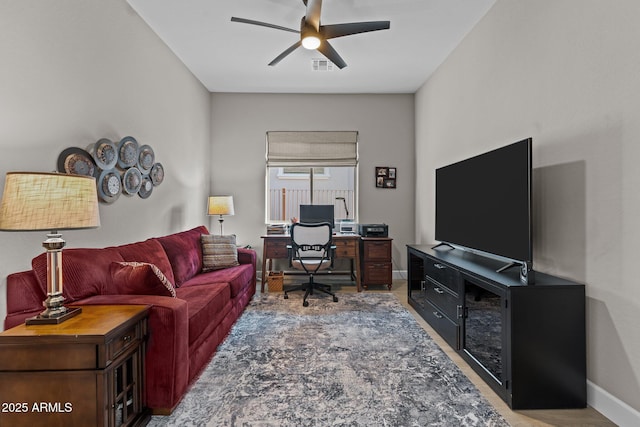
x=386, y=177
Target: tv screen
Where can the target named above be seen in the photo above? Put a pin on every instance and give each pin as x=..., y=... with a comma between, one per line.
x=484, y=202
x=317, y=213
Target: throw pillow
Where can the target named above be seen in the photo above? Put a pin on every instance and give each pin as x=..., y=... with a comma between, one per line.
x=140, y=278
x=218, y=252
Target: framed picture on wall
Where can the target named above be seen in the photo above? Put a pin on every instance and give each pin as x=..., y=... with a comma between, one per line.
x=385, y=177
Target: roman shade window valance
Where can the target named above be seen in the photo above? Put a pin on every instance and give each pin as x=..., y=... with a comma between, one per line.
x=322, y=148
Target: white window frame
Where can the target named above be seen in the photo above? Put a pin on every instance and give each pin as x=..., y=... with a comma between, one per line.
x=311, y=149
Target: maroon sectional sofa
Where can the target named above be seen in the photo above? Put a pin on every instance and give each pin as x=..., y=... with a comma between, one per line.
x=184, y=331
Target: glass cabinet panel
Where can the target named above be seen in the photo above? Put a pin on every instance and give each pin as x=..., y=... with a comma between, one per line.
x=483, y=329
x=417, y=285
x=127, y=392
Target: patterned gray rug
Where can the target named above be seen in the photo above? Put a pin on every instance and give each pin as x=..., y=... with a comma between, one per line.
x=363, y=361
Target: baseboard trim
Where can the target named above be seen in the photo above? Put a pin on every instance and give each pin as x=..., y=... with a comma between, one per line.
x=611, y=407
x=399, y=275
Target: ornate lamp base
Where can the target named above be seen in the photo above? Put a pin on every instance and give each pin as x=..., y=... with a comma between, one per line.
x=42, y=319
x=55, y=312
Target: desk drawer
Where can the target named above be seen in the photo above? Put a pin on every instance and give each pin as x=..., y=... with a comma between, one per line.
x=377, y=273
x=377, y=249
x=345, y=248
x=276, y=249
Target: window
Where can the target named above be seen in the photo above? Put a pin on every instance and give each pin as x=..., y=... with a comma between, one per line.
x=302, y=172
x=311, y=168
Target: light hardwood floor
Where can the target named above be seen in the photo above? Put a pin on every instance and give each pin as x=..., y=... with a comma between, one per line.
x=587, y=417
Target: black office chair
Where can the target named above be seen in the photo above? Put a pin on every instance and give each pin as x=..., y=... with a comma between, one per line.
x=311, y=250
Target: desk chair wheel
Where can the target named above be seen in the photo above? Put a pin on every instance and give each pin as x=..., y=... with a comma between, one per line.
x=335, y=299
x=305, y=303
x=286, y=296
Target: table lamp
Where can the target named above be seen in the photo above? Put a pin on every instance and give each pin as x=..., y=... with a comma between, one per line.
x=37, y=201
x=220, y=205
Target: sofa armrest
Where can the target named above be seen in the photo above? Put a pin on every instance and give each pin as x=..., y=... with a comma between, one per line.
x=167, y=359
x=24, y=298
x=247, y=256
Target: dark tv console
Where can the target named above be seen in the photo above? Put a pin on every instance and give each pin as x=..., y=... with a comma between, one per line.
x=528, y=342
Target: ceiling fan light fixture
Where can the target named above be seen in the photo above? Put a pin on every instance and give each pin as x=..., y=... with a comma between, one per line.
x=311, y=42
x=309, y=36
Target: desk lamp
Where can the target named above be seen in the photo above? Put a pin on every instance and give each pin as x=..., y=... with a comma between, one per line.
x=345, y=205
x=220, y=205
x=35, y=201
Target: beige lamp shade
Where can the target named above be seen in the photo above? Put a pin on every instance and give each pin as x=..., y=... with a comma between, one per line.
x=48, y=201
x=220, y=205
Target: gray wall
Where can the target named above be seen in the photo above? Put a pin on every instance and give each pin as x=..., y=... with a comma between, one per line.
x=386, y=138
x=76, y=71
x=566, y=73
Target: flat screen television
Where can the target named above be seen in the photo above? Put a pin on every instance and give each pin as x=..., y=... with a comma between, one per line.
x=311, y=214
x=484, y=203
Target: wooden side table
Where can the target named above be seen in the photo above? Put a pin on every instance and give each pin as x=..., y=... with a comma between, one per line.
x=88, y=370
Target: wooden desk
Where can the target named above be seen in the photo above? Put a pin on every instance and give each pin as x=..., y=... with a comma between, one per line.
x=274, y=246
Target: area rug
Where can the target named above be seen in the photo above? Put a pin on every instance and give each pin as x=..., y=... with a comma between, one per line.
x=363, y=361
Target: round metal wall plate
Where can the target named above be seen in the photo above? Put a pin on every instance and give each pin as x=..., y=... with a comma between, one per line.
x=127, y=152
x=109, y=186
x=77, y=161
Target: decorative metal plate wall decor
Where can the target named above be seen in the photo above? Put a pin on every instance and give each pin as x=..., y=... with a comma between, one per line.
x=127, y=152
x=109, y=186
x=146, y=157
x=146, y=188
x=105, y=153
x=132, y=180
x=77, y=161
x=124, y=167
x=385, y=177
x=157, y=174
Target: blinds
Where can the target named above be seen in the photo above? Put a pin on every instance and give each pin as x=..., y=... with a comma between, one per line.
x=339, y=148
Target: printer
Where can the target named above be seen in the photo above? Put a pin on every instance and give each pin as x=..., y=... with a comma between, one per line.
x=373, y=230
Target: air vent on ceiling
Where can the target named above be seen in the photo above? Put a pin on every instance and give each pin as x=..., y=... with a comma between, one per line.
x=321, y=64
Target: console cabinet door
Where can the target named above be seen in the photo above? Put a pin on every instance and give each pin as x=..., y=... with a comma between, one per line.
x=483, y=332
x=416, y=285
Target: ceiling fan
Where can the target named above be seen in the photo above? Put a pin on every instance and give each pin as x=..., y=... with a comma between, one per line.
x=316, y=36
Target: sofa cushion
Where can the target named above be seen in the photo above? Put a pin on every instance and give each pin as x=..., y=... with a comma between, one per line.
x=184, y=252
x=139, y=278
x=150, y=251
x=205, y=305
x=238, y=278
x=218, y=252
x=85, y=271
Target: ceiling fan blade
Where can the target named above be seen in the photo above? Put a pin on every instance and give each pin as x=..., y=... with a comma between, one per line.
x=327, y=50
x=340, y=30
x=263, y=24
x=285, y=53
x=313, y=13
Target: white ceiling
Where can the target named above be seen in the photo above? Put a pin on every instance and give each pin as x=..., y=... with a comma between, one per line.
x=232, y=57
